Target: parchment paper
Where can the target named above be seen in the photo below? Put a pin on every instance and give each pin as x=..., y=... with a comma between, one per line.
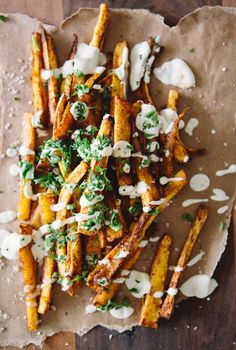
x=211, y=33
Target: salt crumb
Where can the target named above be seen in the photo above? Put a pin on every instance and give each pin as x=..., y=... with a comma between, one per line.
x=213, y=131
x=195, y=328
x=66, y=344
x=224, y=69
x=188, y=326
x=200, y=306
x=208, y=299
x=110, y=336
x=53, y=307
x=225, y=144
x=7, y=126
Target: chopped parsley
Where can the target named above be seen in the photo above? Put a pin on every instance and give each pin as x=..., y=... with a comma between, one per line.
x=114, y=223
x=145, y=163
x=26, y=170
x=102, y=281
x=79, y=111
x=98, y=145
x=16, y=98
x=187, y=217
x=113, y=305
x=221, y=226
x=133, y=290
x=191, y=50
x=58, y=150
x=136, y=209
x=80, y=90
x=98, y=180
x=3, y=18
x=153, y=211
x=92, y=259
x=50, y=181
x=83, y=148
x=79, y=74
x=96, y=217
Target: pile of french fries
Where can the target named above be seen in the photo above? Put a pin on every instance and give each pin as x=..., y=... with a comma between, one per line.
x=95, y=250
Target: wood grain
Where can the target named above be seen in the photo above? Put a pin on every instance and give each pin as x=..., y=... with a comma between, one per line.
x=197, y=324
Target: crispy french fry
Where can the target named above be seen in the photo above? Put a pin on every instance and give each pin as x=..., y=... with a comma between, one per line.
x=92, y=249
x=38, y=88
x=30, y=279
x=66, y=83
x=172, y=99
x=28, y=141
x=106, y=128
x=112, y=203
x=151, y=307
x=143, y=173
x=130, y=242
x=35, y=220
x=47, y=216
x=100, y=28
x=118, y=88
x=196, y=227
x=168, y=162
x=50, y=62
x=74, y=256
x=108, y=293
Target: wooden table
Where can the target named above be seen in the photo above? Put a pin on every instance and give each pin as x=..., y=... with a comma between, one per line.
x=197, y=324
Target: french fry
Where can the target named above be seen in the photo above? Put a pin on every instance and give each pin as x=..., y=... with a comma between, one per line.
x=151, y=306
x=172, y=99
x=73, y=266
x=106, y=128
x=50, y=62
x=143, y=173
x=118, y=88
x=35, y=220
x=110, y=291
x=38, y=88
x=100, y=28
x=30, y=279
x=196, y=227
x=28, y=141
x=92, y=248
x=130, y=242
x=47, y=216
x=168, y=162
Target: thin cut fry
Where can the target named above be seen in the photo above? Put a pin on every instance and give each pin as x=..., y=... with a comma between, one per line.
x=118, y=88
x=50, y=62
x=30, y=279
x=47, y=216
x=130, y=242
x=39, y=90
x=28, y=141
x=151, y=307
x=100, y=28
x=196, y=227
x=108, y=293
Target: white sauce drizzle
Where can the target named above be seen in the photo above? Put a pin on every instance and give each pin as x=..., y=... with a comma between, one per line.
x=140, y=282
x=138, y=58
x=122, y=149
x=223, y=209
x=14, y=170
x=37, y=248
x=90, y=309
x=200, y=286
x=25, y=151
x=119, y=280
x=172, y=291
x=28, y=192
x=191, y=125
x=7, y=216
x=143, y=243
x=122, y=71
x=36, y=119
x=167, y=118
x=177, y=73
x=158, y=294
x=189, y=202
x=231, y=170
x=164, y=180
x=219, y=195
x=148, y=69
x=141, y=120
x=199, y=182
x=134, y=191
x=58, y=207
x=196, y=258
x=84, y=202
x=121, y=255
x=122, y=313
x=77, y=115
x=11, y=243
x=11, y=152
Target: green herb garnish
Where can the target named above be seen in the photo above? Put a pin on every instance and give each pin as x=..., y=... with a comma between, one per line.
x=26, y=170
x=80, y=90
x=113, y=305
x=50, y=181
x=221, y=226
x=133, y=290
x=3, y=18
x=187, y=217
x=136, y=209
x=114, y=223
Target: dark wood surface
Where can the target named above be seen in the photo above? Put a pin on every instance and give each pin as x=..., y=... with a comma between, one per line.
x=197, y=324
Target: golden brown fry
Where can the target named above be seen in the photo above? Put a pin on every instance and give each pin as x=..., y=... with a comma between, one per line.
x=92, y=249
x=66, y=83
x=112, y=203
x=168, y=162
x=47, y=216
x=28, y=141
x=172, y=99
x=35, y=220
x=74, y=256
x=30, y=279
x=196, y=227
x=100, y=28
x=106, y=128
x=130, y=242
x=38, y=88
x=108, y=293
x=66, y=123
x=151, y=307
x=50, y=62
x=142, y=171
x=118, y=88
